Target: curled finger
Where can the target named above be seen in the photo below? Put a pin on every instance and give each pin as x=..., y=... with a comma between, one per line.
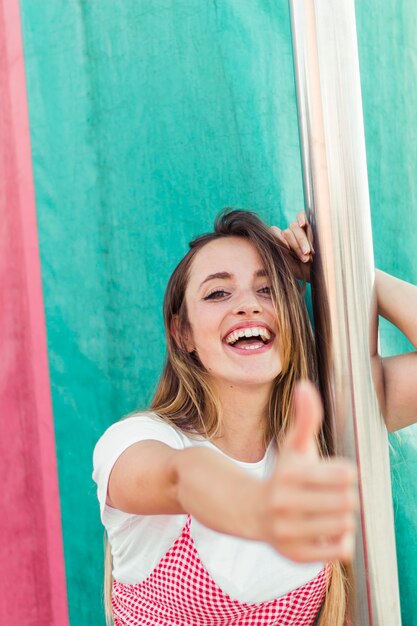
x=314, y=502
x=331, y=526
x=302, y=219
x=293, y=244
x=323, y=549
x=279, y=235
x=301, y=238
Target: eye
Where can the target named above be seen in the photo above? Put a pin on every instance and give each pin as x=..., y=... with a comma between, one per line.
x=216, y=294
x=266, y=290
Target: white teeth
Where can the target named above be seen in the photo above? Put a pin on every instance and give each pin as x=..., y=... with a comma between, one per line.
x=233, y=337
x=248, y=332
x=256, y=347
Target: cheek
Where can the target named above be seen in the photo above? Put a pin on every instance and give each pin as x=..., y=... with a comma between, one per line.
x=208, y=345
x=204, y=325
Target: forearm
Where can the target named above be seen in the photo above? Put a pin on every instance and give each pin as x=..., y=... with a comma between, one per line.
x=397, y=302
x=217, y=493
x=304, y=498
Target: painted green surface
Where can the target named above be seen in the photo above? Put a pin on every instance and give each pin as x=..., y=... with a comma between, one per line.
x=147, y=117
x=387, y=34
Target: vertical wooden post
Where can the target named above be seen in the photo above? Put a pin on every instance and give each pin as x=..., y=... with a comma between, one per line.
x=32, y=574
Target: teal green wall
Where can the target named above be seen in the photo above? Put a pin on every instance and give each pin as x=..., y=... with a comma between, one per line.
x=147, y=117
x=387, y=33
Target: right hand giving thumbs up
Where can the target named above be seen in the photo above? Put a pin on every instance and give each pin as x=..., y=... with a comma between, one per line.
x=309, y=502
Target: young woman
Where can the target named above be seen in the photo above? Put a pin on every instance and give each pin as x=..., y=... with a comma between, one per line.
x=220, y=504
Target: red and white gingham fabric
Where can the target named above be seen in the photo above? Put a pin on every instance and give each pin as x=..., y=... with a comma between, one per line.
x=180, y=592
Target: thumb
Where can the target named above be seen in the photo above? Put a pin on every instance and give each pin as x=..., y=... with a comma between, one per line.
x=308, y=417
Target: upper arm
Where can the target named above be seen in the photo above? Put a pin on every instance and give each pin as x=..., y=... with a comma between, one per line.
x=397, y=302
x=400, y=383
x=142, y=480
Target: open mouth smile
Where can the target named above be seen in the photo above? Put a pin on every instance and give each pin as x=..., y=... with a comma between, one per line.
x=249, y=339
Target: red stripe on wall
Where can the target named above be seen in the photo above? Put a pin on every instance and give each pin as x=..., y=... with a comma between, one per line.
x=32, y=573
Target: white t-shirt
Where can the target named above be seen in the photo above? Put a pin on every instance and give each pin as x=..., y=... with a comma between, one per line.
x=249, y=571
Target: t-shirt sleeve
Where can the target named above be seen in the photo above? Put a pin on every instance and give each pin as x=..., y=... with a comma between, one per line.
x=119, y=437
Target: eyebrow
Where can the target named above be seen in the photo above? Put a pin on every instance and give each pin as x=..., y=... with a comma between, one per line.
x=227, y=275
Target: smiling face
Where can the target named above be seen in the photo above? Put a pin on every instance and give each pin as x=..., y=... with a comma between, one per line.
x=231, y=314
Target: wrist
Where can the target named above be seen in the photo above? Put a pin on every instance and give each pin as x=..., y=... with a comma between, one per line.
x=256, y=501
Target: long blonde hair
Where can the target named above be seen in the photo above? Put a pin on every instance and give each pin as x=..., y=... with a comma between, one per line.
x=184, y=396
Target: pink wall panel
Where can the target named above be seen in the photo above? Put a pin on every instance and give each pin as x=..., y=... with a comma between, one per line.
x=32, y=578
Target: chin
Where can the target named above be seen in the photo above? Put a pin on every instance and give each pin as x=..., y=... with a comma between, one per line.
x=257, y=379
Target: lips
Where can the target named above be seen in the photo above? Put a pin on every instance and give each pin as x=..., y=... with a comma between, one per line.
x=249, y=337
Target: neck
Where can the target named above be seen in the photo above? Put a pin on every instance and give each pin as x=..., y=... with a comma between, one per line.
x=244, y=421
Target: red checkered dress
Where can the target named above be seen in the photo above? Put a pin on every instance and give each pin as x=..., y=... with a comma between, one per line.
x=180, y=592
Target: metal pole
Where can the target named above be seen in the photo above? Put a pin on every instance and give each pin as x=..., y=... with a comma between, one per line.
x=337, y=202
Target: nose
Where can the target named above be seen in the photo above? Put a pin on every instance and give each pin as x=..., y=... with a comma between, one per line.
x=248, y=305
